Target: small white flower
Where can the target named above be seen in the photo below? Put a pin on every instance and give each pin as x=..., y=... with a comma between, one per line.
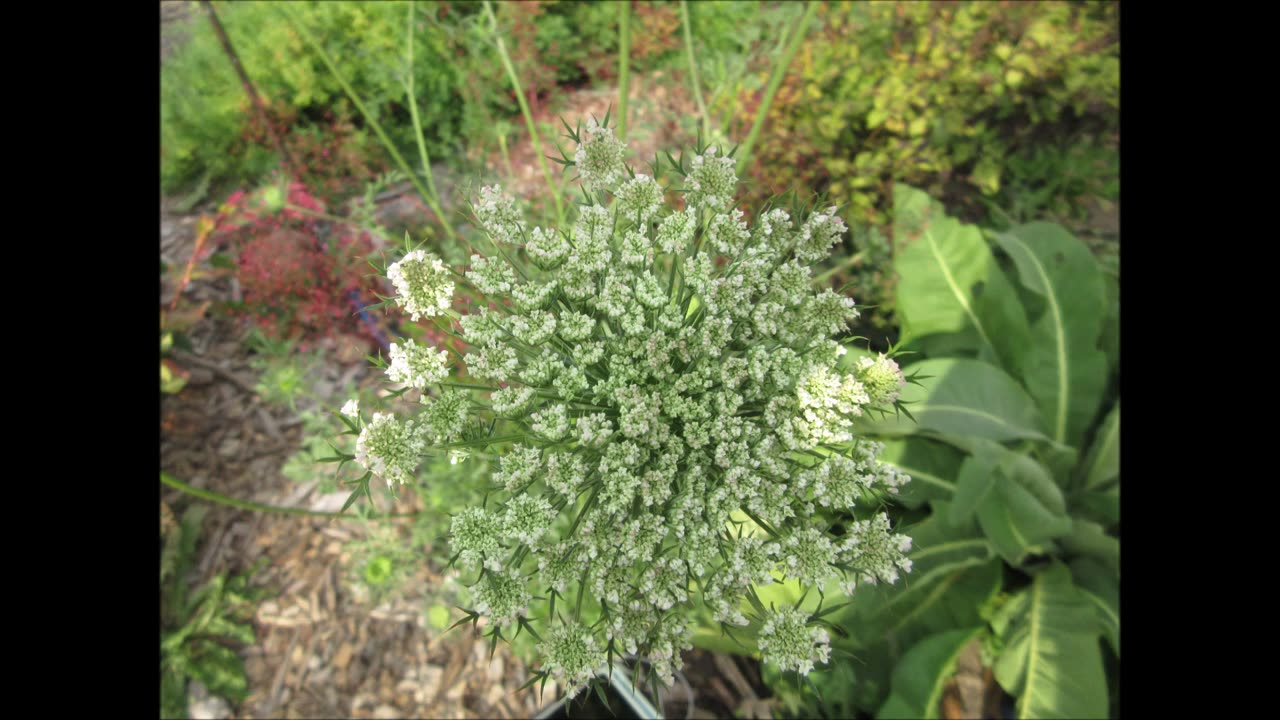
x=351, y=408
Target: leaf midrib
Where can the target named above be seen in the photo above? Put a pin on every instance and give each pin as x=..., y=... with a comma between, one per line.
x=970, y=411
x=955, y=289
x=1103, y=449
x=1032, y=653
x=925, y=476
x=1064, y=378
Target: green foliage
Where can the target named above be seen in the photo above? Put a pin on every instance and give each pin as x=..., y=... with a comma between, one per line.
x=205, y=114
x=1016, y=100
x=1014, y=458
x=199, y=630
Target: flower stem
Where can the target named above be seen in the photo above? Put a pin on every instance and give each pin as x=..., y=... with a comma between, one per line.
x=417, y=129
x=693, y=70
x=624, y=65
x=775, y=80
x=524, y=109
x=221, y=499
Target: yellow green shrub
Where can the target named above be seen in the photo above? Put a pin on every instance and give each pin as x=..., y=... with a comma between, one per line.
x=933, y=94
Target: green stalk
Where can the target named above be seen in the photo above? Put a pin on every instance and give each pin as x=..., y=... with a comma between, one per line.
x=417, y=130
x=373, y=123
x=524, y=109
x=221, y=499
x=624, y=65
x=775, y=80
x=693, y=70
x=844, y=265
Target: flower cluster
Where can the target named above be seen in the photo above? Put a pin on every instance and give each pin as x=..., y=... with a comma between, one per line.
x=673, y=414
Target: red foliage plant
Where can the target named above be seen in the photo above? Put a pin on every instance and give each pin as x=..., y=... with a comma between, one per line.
x=302, y=278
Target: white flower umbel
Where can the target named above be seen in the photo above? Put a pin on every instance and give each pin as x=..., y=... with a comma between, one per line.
x=664, y=395
x=423, y=283
x=788, y=641
x=416, y=365
x=599, y=157
x=389, y=448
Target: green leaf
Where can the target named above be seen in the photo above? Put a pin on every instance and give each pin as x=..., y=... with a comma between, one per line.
x=963, y=398
x=1102, y=588
x=1051, y=661
x=921, y=675
x=1064, y=370
x=1025, y=512
x=949, y=282
x=976, y=479
x=221, y=670
x=1089, y=539
x=1103, y=462
x=1110, y=341
x=1102, y=506
x=932, y=466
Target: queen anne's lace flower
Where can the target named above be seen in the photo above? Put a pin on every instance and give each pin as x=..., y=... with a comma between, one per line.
x=424, y=284
x=416, y=365
x=673, y=420
x=882, y=379
x=599, y=157
x=389, y=448
x=787, y=641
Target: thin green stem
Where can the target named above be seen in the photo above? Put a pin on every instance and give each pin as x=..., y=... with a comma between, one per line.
x=844, y=265
x=221, y=499
x=624, y=65
x=334, y=218
x=417, y=130
x=373, y=123
x=524, y=109
x=775, y=80
x=693, y=70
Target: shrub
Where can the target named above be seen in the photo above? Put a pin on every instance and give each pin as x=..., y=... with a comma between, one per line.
x=205, y=112
x=1016, y=100
x=301, y=279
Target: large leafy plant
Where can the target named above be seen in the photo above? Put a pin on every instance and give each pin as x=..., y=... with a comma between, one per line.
x=1013, y=448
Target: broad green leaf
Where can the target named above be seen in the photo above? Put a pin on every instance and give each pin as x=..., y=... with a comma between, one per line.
x=932, y=466
x=976, y=479
x=921, y=675
x=1063, y=368
x=1104, y=456
x=1026, y=510
x=949, y=282
x=1088, y=539
x=1102, y=506
x=962, y=398
x=1102, y=588
x=1051, y=661
x=1110, y=341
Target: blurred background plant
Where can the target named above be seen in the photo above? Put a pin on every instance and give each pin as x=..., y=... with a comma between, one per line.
x=200, y=629
x=990, y=103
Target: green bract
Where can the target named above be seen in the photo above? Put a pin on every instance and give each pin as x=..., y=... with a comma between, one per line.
x=675, y=422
